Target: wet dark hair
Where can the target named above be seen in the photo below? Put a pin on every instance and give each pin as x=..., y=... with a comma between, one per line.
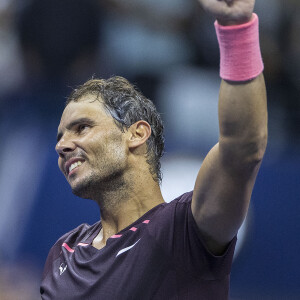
x=127, y=105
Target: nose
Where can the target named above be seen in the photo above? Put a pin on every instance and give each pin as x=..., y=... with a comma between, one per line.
x=64, y=146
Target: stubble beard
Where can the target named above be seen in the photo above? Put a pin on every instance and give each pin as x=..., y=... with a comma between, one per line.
x=84, y=188
x=97, y=185
x=104, y=182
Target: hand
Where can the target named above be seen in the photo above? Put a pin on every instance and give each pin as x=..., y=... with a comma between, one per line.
x=229, y=12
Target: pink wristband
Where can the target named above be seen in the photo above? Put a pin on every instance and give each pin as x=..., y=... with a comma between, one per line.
x=240, y=57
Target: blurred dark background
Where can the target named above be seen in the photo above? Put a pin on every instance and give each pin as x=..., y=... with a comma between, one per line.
x=169, y=50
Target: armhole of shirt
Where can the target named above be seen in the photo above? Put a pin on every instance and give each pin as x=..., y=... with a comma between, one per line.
x=194, y=255
x=229, y=247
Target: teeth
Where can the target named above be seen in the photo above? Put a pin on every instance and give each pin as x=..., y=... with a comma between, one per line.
x=75, y=165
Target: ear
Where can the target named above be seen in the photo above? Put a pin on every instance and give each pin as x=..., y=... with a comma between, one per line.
x=139, y=133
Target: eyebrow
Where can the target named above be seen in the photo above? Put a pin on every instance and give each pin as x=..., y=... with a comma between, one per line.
x=74, y=123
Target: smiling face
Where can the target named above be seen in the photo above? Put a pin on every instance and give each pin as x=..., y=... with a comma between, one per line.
x=92, y=149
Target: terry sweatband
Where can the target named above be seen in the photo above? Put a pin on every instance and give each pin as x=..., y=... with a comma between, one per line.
x=240, y=57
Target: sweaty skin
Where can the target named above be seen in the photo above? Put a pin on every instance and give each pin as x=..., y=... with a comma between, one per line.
x=225, y=181
x=114, y=172
x=113, y=169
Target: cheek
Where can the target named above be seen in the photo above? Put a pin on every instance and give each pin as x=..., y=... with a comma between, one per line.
x=112, y=150
x=103, y=146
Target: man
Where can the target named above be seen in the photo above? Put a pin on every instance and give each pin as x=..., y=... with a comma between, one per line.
x=109, y=145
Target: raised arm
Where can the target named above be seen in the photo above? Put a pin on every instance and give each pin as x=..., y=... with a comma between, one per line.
x=225, y=181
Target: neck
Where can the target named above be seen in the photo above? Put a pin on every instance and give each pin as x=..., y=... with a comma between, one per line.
x=121, y=206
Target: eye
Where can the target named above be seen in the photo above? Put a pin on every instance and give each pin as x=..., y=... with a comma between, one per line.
x=82, y=127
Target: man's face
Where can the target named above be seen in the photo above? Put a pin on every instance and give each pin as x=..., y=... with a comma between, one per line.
x=91, y=148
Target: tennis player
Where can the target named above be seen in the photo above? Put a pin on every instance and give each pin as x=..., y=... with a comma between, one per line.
x=109, y=145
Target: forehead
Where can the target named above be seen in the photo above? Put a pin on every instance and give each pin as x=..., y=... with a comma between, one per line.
x=86, y=107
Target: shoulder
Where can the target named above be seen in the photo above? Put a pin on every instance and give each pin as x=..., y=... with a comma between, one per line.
x=176, y=230
x=170, y=216
x=183, y=201
x=71, y=238
x=78, y=233
x=184, y=198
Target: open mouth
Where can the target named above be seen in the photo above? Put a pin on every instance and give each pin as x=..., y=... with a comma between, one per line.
x=73, y=167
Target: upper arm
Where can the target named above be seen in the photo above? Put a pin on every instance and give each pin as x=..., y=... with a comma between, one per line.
x=220, y=201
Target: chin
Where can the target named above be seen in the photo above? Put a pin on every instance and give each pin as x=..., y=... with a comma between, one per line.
x=93, y=185
x=81, y=193
x=82, y=189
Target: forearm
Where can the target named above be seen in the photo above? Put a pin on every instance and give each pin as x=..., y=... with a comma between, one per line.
x=243, y=122
x=242, y=100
